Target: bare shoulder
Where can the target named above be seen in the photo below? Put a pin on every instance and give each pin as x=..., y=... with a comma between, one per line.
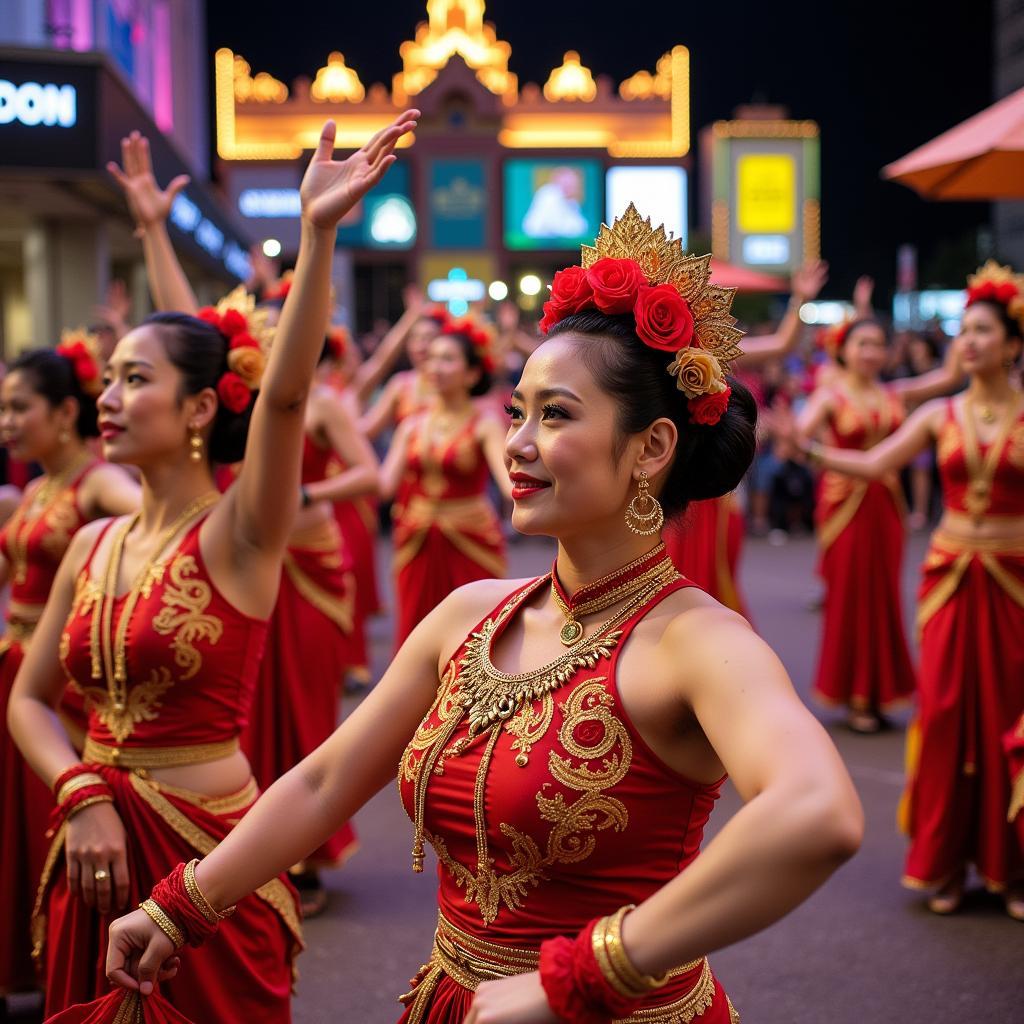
x=83, y=542
x=466, y=607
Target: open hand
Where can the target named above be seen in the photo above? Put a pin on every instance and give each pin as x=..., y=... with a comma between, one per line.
x=863, y=290
x=808, y=281
x=148, y=203
x=330, y=188
x=516, y=1000
x=139, y=954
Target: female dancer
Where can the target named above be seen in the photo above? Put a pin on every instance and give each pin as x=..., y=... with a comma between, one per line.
x=446, y=532
x=706, y=544
x=47, y=411
x=971, y=606
x=161, y=620
x=544, y=791
x=311, y=638
x=864, y=664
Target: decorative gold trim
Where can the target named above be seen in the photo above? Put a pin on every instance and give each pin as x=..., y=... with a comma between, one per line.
x=156, y=757
x=130, y=1010
x=163, y=922
x=338, y=609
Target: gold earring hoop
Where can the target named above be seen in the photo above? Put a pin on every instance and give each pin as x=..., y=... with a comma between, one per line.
x=195, y=444
x=644, y=514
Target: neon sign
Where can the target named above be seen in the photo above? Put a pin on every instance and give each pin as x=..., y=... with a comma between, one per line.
x=189, y=219
x=33, y=104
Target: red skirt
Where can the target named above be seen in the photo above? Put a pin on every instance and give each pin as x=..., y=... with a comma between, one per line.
x=440, y=547
x=295, y=706
x=705, y=545
x=971, y=693
x=24, y=809
x=243, y=974
x=864, y=662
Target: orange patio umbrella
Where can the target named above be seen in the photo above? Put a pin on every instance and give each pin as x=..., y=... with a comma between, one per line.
x=982, y=158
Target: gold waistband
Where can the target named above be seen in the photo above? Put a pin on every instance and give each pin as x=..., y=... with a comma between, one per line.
x=19, y=632
x=469, y=961
x=977, y=545
x=156, y=757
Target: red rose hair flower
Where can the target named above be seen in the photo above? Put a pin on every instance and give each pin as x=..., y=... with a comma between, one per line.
x=233, y=392
x=616, y=283
x=709, y=409
x=663, y=318
x=75, y=348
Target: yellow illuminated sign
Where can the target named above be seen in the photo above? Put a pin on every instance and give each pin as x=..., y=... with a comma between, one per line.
x=766, y=193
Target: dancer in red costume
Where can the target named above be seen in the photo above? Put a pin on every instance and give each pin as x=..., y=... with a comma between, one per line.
x=706, y=543
x=864, y=664
x=446, y=532
x=553, y=795
x=161, y=619
x=47, y=413
x=971, y=607
x=311, y=637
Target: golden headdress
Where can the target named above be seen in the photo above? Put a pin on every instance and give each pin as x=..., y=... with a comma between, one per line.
x=995, y=283
x=635, y=268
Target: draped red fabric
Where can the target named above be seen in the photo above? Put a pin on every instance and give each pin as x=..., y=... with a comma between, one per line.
x=295, y=707
x=33, y=546
x=705, y=544
x=242, y=974
x=864, y=661
x=971, y=693
x=122, y=1007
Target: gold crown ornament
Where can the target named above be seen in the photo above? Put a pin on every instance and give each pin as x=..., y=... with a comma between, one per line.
x=634, y=268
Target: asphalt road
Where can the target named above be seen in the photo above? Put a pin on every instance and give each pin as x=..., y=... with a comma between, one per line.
x=861, y=949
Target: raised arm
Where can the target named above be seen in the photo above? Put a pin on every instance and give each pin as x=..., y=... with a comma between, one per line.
x=373, y=370
x=150, y=207
x=109, y=491
x=801, y=817
x=943, y=380
x=492, y=440
x=393, y=467
x=382, y=412
x=262, y=502
x=805, y=285
x=917, y=431
x=814, y=415
x=360, y=475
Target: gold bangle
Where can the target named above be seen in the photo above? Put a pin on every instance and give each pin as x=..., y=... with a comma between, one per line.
x=163, y=922
x=816, y=453
x=100, y=798
x=77, y=783
x=629, y=973
x=195, y=894
x=599, y=944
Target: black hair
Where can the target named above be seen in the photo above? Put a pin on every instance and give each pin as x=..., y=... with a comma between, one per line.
x=1011, y=324
x=200, y=353
x=474, y=360
x=856, y=325
x=53, y=377
x=710, y=460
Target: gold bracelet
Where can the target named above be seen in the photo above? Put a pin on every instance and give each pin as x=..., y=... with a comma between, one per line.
x=599, y=944
x=631, y=976
x=77, y=783
x=816, y=453
x=100, y=798
x=195, y=894
x=163, y=922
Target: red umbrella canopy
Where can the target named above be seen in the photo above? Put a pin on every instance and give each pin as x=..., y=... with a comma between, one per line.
x=981, y=158
x=728, y=275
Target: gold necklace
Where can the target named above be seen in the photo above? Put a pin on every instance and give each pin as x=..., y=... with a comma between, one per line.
x=22, y=525
x=981, y=471
x=109, y=654
x=607, y=591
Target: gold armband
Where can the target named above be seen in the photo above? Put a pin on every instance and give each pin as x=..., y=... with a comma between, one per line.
x=195, y=894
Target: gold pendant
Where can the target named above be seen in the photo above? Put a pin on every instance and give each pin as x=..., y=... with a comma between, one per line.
x=571, y=633
x=986, y=414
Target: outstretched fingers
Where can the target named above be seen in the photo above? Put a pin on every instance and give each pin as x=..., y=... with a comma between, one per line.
x=325, y=146
x=387, y=137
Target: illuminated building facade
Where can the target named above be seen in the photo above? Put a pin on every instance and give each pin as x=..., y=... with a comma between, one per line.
x=76, y=76
x=506, y=179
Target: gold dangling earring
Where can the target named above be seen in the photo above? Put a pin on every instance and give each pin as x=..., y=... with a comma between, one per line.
x=195, y=444
x=64, y=437
x=652, y=518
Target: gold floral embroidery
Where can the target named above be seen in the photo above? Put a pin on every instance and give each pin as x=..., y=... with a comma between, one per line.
x=528, y=726
x=184, y=615
x=948, y=442
x=600, y=753
x=141, y=703
x=61, y=520
x=444, y=707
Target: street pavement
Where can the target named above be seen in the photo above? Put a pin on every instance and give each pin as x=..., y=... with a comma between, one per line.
x=861, y=949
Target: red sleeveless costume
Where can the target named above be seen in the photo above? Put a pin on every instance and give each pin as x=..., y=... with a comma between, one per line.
x=295, y=707
x=33, y=548
x=555, y=814
x=446, y=532
x=169, y=685
x=705, y=543
x=864, y=662
x=971, y=680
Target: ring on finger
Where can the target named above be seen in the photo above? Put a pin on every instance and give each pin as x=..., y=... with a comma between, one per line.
x=101, y=875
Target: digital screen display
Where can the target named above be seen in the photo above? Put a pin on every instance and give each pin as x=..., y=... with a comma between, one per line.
x=658, y=192
x=552, y=204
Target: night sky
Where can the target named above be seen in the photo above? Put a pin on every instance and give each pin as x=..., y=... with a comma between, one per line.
x=879, y=77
